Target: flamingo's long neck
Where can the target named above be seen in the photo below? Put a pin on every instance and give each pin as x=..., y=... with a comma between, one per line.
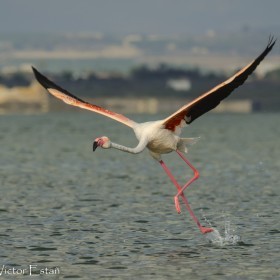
x=121, y=148
x=138, y=149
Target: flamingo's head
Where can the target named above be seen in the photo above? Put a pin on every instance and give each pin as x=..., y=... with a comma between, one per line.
x=103, y=142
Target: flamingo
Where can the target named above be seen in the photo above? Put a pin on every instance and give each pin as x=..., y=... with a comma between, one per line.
x=163, y=136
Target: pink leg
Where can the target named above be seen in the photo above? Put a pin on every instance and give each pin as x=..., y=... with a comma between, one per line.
x=180, y=192
x=195, y=177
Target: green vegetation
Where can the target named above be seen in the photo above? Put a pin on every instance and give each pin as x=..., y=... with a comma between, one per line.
x=273, y=76
x=144, y=81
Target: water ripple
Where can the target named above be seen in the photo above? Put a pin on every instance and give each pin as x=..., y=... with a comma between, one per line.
x=111, y=214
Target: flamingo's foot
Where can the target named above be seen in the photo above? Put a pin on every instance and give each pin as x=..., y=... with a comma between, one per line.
x=205, y=230
x=177, y=204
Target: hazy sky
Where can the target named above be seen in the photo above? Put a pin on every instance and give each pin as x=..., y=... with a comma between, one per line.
x=137, y=16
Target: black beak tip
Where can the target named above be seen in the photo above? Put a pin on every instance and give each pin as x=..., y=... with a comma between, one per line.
x=94, y=146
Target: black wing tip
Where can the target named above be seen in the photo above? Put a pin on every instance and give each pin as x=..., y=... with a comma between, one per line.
x=37, y=74
x=271, y=42
x=47, y=84
x=42, y=79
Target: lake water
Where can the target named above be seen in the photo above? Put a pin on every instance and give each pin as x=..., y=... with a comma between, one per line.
x=110, y=215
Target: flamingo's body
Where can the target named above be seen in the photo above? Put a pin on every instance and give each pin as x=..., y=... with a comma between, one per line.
x=163, y=136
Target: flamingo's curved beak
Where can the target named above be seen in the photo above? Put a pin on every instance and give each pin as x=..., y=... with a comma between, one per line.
x=95, y=145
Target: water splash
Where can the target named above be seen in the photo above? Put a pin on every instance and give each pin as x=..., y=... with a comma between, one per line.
x=228, y=237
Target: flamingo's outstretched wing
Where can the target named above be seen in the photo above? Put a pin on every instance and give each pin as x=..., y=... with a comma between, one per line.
x=71, y=99
x=212, y=98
